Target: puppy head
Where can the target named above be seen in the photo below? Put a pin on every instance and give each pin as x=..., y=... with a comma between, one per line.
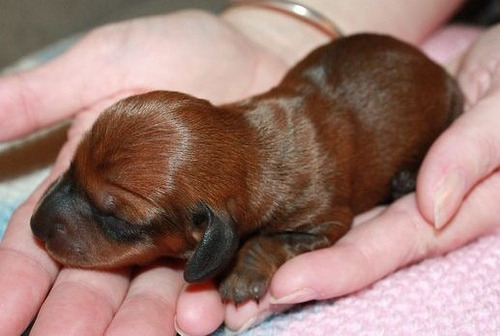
x=153, y=177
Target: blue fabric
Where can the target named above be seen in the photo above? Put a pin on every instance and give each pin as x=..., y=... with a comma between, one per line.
x=6, y=209
x=14, y=192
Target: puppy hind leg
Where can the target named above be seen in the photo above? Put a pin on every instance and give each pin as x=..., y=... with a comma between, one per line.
x=260, y=257
x=256, y=262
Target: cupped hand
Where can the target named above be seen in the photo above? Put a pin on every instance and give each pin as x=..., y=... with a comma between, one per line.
x=190, y=51
x=456, y=202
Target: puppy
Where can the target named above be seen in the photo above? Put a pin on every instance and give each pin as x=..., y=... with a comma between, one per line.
x=239, y=189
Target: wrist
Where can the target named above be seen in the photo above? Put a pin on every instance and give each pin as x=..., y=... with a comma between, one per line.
x=291, y=39
x=285, y=36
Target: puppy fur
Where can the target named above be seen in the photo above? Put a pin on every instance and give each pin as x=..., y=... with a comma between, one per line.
x=239, y=189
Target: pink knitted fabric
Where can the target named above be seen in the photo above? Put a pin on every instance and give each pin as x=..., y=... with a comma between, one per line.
x=456, y=294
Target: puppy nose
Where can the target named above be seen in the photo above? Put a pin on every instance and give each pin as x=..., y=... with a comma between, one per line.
x=49, y=217
x=46, y=222
x=41, y=226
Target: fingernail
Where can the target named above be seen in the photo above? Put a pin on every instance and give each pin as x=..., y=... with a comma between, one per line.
x=247, y=325
x=302, y=295
x=251, y=322
x=447, y=198
x=178, y=330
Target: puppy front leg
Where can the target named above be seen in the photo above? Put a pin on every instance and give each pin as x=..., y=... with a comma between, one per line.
x=260, y=256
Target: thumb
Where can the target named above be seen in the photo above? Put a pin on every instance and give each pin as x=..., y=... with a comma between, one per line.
x=469, y=150
x=57, y=90
x=35, y=99
x=464, y=155
x=39, y=97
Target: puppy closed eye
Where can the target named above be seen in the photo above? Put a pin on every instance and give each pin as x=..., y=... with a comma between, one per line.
x=107, y=204
x=117, y=228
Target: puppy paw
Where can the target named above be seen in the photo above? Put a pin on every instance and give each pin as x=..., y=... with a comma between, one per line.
x=255, y=264
x=403, y=183
x=261, y=256
x=243, y=285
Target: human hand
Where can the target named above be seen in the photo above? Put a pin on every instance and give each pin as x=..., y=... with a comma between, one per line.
x=386, y=239
x=176, y=52
x=183, y=52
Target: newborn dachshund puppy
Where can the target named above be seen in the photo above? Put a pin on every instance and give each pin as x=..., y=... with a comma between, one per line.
x=239, y=189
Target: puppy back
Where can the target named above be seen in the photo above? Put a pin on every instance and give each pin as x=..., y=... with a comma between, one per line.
x=375, y=105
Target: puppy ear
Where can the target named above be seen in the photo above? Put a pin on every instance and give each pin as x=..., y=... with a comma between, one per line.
x=215, y=250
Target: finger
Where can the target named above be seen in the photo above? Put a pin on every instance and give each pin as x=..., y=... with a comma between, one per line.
x=149, y=306
x=248, y=314
x=354, y=258
x=81, y=302
x=26, y=273
x=200, y=310
x=244, y=316
x=397, y=237
x=35, y=99
x=462, y=156
x=447, y=44
x=479, y=70
x=59, y=89
x=26, y=270
x=469, y=150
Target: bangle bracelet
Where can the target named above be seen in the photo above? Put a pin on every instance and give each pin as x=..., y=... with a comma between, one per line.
x=296, y=10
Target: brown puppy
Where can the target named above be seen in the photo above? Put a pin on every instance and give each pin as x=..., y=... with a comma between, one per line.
x=239, y=189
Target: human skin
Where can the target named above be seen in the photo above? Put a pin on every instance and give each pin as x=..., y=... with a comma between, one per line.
x=149, y=299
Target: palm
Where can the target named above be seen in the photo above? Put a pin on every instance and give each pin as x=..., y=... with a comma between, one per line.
x=195, y=56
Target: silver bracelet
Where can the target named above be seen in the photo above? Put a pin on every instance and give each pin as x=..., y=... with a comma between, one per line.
x=296, y=10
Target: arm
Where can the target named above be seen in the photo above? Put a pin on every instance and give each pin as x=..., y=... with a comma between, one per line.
x=291, y=39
